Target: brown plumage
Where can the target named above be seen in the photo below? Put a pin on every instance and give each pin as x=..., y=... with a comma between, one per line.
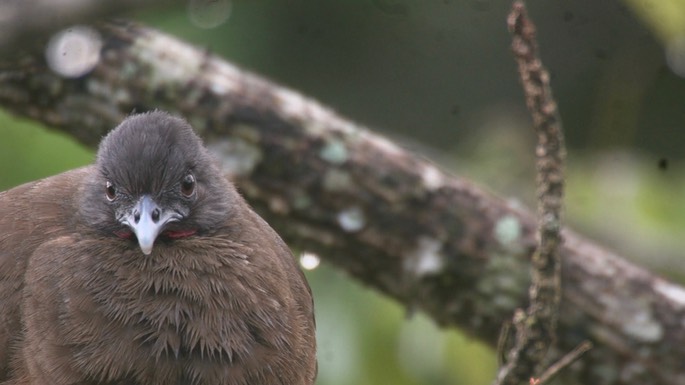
x=148, y=268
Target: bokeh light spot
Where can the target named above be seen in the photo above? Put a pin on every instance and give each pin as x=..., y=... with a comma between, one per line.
x=309, y=261
x=352, y=219
x=74, y=52
x=209, y=14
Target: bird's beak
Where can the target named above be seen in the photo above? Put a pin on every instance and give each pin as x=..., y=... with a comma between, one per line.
x=147, y=220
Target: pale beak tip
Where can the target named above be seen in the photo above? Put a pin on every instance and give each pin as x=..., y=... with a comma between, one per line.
x=146, y=247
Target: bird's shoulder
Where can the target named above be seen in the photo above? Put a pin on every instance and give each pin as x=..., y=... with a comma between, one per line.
x=39, y=207
x=30, y=215
x=36, y=212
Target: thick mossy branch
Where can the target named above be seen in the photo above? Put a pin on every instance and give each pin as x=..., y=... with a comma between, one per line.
x=390, y=219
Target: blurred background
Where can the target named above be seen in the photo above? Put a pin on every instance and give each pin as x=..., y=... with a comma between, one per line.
x=438, y=77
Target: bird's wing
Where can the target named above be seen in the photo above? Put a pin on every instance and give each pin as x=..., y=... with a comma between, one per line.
x=30, y=215
x=301, y=293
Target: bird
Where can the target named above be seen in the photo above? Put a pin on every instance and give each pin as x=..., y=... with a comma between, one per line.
x=148, y=268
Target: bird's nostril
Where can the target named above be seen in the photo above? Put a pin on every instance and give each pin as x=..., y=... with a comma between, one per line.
x=155, y=215
x=136, y=216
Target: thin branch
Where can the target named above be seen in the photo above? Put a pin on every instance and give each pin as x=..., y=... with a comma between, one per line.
x=565, y=361
x=365, y=205
x=536, y=330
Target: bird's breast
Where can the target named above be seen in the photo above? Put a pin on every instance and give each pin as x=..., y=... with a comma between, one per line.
x=188, y=303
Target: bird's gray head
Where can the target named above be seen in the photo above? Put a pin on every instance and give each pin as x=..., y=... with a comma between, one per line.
x=154, y=180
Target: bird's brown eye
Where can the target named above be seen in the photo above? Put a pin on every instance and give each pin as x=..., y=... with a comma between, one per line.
x=110, y=191
x=188, y=185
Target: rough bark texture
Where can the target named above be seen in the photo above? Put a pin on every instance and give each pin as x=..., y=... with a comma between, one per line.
x=536, y=331
x=432, y=241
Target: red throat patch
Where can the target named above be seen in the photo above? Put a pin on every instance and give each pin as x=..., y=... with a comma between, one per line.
x=177, y=234
x=124, y=234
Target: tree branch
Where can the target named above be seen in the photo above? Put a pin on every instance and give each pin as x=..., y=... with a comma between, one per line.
x=390, y=219
x=536, y=330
